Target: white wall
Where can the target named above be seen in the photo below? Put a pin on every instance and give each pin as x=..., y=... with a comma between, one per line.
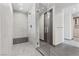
x=6, y=18
x=68, y=20
x=32, y=21
x=20, y=25
x=67, y=24
x=37, y=16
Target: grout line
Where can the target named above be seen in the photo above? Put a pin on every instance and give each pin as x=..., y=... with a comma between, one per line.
x=40, y=52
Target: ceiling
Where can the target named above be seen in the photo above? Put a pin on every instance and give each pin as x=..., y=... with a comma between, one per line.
x=63, y=5
x=25, y=7
x=42, y=8
x=59, y=5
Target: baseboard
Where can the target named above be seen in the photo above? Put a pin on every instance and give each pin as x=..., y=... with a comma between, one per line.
x=68, y=39
x=20, y=40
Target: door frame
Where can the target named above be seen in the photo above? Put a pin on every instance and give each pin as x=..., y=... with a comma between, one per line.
x=52, y=23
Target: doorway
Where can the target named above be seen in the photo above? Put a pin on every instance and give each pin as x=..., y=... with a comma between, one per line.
x=48, y=27
x=46, y=41
x=76, y=28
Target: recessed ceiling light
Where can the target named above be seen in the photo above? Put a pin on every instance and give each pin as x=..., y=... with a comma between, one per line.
x=74, y=9
x=21, y=8
x=20, y=4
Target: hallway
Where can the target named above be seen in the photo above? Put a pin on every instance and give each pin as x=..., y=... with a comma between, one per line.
x=23, y=24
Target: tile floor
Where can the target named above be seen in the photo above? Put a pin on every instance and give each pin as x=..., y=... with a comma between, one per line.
x=72, y=42
x=44, y=48
x=68, y=48
x=24, y=49
x=64, y=49
x=76, y=39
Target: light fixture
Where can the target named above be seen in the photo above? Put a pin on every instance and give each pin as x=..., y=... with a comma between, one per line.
x=20, y=4
x=21, y=8
x=74, y=9
x=42, y=8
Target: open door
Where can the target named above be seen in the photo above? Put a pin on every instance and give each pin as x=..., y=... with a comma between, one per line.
x=59, y=28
